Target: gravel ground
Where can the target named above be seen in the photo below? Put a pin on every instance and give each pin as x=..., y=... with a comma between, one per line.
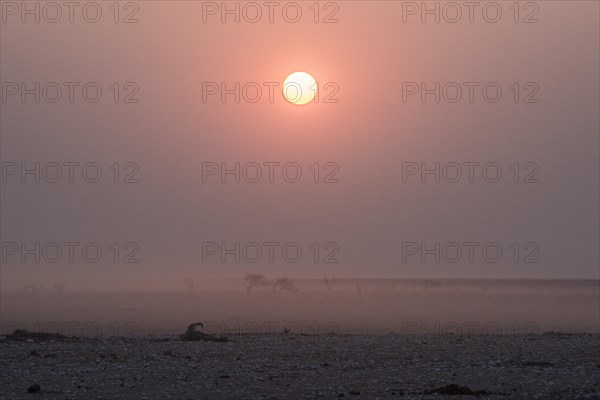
x=545, y=366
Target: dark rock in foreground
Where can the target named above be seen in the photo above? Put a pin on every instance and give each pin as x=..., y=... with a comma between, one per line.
x=22, y=335
x=193, y=335
x=34, y=388
x=456, y=390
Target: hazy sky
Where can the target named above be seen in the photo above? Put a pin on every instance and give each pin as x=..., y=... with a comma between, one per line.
x=381, y=218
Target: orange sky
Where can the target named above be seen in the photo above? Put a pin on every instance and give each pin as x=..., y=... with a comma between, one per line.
x=368, y=134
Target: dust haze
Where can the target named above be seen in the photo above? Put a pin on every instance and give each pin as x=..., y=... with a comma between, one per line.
x=259, y=304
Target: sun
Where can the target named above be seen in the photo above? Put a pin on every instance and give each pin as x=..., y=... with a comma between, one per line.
x=299, y=88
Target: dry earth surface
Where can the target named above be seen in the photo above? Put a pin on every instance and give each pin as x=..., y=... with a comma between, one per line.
x=541, y=366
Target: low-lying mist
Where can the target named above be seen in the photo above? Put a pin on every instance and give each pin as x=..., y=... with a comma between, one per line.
x=309, y=307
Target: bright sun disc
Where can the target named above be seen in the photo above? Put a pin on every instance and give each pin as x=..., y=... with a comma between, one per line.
x=299, y=88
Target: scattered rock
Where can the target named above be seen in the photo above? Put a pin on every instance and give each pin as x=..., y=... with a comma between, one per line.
x=193, y=335
x=535, y=364
x=34, y=388
x=455, y=390
x=23, y=335
x=84, y=367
